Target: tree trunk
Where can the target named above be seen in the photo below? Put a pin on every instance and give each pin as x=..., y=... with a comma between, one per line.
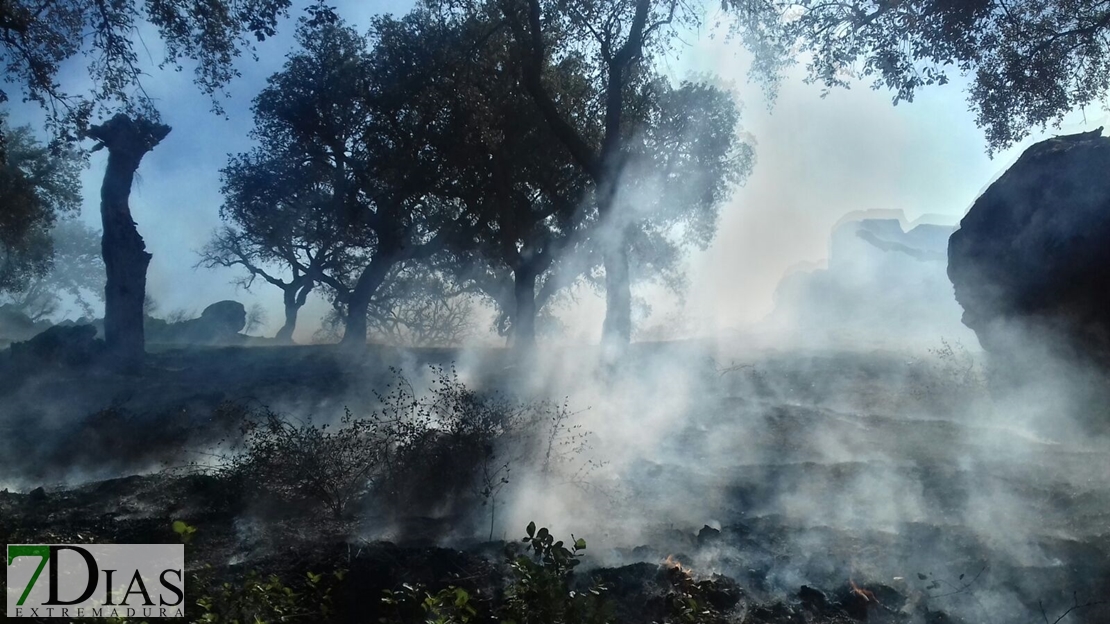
x=285, y=334
x=358, y=305
x=125, y=255
x=524, y=317
x=616, y=332
x=294, y=298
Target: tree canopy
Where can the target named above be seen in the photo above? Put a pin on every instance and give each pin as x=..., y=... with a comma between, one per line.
x=37, y=185
x=38, y=36
x=1029, y=62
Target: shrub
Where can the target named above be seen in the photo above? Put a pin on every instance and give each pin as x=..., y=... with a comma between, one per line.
x=949, y=379
x=412, y=603
x=541, y=587
x=540, y=591
x=263, y=599
x=445, y=451
x=304, y=463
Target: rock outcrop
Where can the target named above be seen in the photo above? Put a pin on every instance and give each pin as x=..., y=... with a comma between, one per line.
x=1032, y=256
x=219, y=324
x=884, y=285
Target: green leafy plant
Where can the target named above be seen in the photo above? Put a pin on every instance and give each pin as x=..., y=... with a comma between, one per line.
x=451, y=605
x=541, y=590
x=267, y=599
x=184, y=531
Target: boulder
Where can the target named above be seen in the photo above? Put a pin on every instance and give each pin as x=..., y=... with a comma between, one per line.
x=219, y=324
x=229, y=317
x=1031, y=259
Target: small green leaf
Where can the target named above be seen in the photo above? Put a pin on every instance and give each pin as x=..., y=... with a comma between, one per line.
x=531, y=530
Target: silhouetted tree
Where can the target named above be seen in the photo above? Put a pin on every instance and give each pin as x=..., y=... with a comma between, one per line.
x=524, y=199
x=1030, y=61
x=416, y=307
x=125, y=255
x=359, y=129
x=610, y=39
x=422, y=307
x=281, y=229
x=614, y=42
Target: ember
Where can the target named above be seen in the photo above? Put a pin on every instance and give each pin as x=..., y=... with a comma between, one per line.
x=866, y=594
x=672, y=562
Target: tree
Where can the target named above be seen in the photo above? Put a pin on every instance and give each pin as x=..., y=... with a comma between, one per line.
x=123, y=249
x=526, y=202
x=418, y=306
x=422, y=307
x=360, y=131
x=76, y=271
x=38, y=36
x=538, y=218
x=37, y=185
x=232, y=248
x=281, y=230
x=1030, y=62
x=614, y=42
x=610, y=37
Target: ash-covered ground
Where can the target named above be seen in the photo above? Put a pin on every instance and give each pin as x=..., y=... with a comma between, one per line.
x=775, y=485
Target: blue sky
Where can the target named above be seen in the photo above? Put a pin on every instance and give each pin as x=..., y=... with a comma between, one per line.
x=818, y=160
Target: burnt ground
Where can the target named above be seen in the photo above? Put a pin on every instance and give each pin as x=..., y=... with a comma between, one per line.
x=794, y=479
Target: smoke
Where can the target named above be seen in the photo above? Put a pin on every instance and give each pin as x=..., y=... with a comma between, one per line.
x=833, y=423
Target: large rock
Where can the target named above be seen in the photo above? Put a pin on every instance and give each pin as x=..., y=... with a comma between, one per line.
x=884, y=285
x=1031, y=260
x=226, y=317
x=219, y=324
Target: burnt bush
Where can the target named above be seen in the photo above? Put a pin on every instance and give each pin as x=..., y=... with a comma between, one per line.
x=445, y=451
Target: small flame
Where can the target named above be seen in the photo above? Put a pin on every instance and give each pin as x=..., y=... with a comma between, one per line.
x=866, y=594
x=675, y=564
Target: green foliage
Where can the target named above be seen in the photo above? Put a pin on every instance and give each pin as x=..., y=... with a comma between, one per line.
x=257, y=599
x=450, y=605
x=262, y=599
x=184, y=531
x=541, y=590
